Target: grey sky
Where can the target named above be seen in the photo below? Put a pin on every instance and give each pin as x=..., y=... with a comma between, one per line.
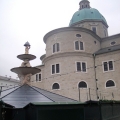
x=30, y=20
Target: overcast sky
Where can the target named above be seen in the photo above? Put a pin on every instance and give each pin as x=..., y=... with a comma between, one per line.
x=30, y=20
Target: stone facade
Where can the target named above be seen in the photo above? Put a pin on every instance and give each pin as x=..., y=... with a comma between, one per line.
x=101, y=28
x=97, y=50
x=114, y=75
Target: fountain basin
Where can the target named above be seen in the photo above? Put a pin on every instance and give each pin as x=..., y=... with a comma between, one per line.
x=25, y=70
x=26, y=56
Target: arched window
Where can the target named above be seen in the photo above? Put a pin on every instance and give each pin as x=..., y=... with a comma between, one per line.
x=110, y=83
x=82, y=84
x=55, y=86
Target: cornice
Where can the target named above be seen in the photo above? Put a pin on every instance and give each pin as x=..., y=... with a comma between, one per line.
x=64, y=29
x=66, y=54
x=90, y=20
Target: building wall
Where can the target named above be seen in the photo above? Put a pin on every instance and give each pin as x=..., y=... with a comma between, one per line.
x=107, y=42
x=103, y=76
x=41, y=82
x=68, y=78
x=100, y=27
x=66, y=40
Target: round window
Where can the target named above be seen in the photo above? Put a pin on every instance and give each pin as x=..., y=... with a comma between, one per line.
x=113, y=43
x=78, y=35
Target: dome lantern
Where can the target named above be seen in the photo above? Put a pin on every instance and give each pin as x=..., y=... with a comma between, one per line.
x=84, y=4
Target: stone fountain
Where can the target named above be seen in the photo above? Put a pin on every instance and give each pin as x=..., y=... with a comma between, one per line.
x=25, y=71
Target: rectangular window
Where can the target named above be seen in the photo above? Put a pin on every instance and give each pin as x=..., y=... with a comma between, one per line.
x=53, y=48
x=36, y=77
x=94, y=29
x=81, y=66
x=84, y=66
x=55, y=68
x=108, y=66
x=105, y=33
x=78, y=66
x=39, y=77
x=76, y=45
x=105, y=66
x=56, y=47
x=79, y=45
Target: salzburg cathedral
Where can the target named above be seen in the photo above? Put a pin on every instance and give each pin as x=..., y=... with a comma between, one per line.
x=82, y=61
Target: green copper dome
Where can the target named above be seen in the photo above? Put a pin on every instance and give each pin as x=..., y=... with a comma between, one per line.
x=87, y=14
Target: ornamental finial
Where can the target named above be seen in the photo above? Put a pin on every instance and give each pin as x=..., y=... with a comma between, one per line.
x=27, y=47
